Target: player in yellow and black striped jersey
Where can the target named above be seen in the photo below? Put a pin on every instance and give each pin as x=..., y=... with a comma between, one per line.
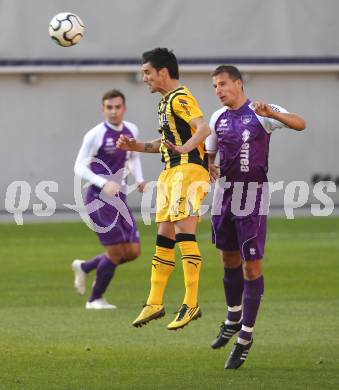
x=176, y=109
x=181, y=186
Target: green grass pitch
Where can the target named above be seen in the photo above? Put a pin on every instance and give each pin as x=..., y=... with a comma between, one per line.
x=49, y=341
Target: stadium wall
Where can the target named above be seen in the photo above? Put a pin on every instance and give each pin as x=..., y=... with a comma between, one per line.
x=194, y=28
x=50, y=96
x=45, y=116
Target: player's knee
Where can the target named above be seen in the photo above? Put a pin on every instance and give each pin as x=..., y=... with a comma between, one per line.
x=231, y=259
x=252, y=269
x=132, y=253
x=115, y=255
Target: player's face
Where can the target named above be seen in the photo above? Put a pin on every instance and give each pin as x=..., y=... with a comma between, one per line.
x=152, y=77
x=114, y=110
x=228, y=91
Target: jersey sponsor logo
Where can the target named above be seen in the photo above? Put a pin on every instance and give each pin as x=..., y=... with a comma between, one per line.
x=109, y=142
x=245, y=157
x=246, y=119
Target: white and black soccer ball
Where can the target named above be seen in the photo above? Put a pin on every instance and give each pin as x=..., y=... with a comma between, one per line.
x=66, y=29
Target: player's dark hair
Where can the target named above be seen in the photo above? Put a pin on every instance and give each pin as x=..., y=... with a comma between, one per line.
x=161, y=58
x=233, y=72
x=113, y=93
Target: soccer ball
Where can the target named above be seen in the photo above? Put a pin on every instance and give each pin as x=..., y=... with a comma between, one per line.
x=66, y=29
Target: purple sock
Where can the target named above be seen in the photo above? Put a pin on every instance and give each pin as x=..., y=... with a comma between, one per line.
x=90, y=265
x=253, y=291
x=233, y=287
x=105, y=273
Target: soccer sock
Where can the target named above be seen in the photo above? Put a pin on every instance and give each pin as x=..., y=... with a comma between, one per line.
x=162, y=266
x=105, y=273
x=90, y=265
x=191, y=262
x=233, y=287
x=253, y=291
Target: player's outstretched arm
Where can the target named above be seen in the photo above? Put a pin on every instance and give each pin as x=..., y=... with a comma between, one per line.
x=202, y=132
x=289, y=119
x=152, y=146
x=133, y=145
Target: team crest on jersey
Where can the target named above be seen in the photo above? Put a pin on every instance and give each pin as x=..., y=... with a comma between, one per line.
x=246, y=119
x=109, y=142
x=245, y=135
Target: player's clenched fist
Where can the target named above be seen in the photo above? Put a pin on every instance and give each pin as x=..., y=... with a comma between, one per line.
x=126, y=143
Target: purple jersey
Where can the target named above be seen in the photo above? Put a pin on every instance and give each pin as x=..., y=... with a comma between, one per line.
x=242, y=138
x=99, y=158
x=110, y=161
x=98, y=161
x=111, y=158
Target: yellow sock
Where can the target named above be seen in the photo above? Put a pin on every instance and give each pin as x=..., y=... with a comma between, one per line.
x=162, y=266
x=191, y=262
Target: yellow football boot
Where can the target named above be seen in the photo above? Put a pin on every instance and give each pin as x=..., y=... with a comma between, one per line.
x=149, y=313
x=185, y=315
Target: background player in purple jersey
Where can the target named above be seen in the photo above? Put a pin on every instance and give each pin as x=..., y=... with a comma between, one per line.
x=241, y=132
x=105, y=167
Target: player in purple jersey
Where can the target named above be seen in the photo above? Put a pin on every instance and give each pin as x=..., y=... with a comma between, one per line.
x=241, y=133
x=105, y=167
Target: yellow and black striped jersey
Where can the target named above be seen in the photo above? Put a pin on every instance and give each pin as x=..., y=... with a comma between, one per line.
x=176, y=110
